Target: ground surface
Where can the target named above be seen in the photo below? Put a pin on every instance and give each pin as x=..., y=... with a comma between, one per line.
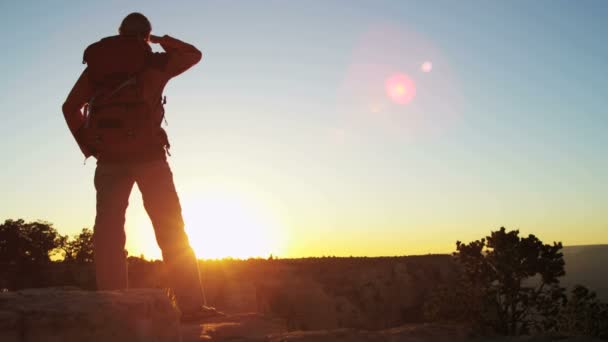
x=258, y=328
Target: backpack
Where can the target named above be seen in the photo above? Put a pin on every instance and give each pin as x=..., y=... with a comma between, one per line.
x=118, y=120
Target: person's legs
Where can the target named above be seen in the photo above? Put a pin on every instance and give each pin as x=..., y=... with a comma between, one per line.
x=155, y=181
x=113, y=184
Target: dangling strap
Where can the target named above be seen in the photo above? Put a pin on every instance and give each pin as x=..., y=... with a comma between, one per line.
x=163, y=102
x=165, y=141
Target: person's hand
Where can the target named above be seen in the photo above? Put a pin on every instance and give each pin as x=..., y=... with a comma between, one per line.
x=155, y=39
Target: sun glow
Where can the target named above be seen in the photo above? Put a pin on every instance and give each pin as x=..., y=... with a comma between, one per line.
x=223, y=225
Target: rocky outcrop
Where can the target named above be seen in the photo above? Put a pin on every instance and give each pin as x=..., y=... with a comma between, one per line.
x=259, y=328
x=406, y=333
x=247, y=327
x=411, y=334
x=67, y=315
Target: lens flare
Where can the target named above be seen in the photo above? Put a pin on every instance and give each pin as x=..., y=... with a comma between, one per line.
x=400, y=88
x=426, y=66
x=398, y=85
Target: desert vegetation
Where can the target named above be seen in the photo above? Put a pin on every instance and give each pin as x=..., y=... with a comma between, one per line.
x=509, y=284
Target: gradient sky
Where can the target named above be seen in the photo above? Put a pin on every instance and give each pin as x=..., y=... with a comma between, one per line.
x=284, y=140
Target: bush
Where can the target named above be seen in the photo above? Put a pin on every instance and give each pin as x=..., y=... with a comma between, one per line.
x=509, y=284
x=583, y=314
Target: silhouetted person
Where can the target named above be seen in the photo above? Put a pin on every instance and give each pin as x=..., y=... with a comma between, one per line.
x=115, y=111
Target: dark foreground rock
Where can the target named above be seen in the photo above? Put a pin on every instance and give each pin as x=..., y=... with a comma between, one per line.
x=257, y=328
x=245, y=327
x=413, y=333
x=66, y=315
x=53, y=315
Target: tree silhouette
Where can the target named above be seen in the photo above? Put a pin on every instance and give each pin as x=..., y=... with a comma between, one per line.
x=517, y=278
x=25, y=252
x=27, y=243
x=80, y=248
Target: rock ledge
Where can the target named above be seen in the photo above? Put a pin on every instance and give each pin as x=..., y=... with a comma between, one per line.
x=63, y=314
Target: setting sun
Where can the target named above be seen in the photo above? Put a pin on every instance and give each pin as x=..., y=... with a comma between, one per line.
x=223, y=225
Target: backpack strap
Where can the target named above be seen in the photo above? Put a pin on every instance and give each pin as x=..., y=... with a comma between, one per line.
x=89, y=107
x=131, y=80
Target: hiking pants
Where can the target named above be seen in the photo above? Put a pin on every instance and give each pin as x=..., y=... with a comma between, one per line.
x=113, y=182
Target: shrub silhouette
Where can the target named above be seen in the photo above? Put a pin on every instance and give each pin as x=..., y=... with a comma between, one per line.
x=509, y=284
x=584, y=314
x=80, y=248
x=27, y=243
x=31, y=252
x=25, y=251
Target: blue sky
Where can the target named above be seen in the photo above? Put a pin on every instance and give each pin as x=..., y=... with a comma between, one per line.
x=275, y=116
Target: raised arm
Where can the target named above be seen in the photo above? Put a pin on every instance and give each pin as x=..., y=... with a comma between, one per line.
x=181, y=55
x=72, y=109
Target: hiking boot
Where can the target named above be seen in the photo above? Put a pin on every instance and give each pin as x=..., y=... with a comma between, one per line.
x=204, y=313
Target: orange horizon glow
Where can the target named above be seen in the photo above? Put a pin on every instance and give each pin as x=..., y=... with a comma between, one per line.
x=222, y=224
